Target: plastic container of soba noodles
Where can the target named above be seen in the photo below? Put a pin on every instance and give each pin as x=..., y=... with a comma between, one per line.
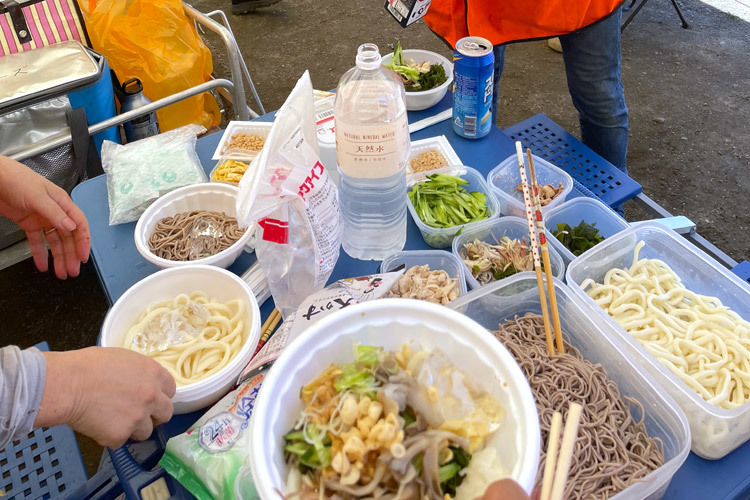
x=493, y=304
x=220, y=285
x=715, y=431
x=391, y=323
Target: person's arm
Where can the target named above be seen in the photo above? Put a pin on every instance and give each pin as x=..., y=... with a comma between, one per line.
x=107, y=393
x=46, y=213
x=22, y=376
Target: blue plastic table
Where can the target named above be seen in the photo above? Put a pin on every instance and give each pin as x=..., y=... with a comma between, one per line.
x=119, y=266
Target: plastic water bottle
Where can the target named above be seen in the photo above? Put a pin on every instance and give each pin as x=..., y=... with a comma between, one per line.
x=372, y=148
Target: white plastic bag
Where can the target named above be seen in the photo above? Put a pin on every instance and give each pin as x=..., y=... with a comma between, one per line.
x=139, y=172
x=290, y=195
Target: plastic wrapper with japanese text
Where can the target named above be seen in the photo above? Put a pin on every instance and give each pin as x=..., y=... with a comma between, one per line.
x=334, y=297
x=292, y=198
x=207, y=458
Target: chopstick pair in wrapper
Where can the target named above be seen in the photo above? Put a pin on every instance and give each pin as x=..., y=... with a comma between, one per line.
x=534, y=211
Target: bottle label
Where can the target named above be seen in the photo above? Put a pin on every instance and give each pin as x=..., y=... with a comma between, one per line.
x=373, y=151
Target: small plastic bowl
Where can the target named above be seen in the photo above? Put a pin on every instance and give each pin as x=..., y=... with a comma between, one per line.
x=436, y=259
x=491, y=231
x=504, y=178
x=218, y=284
x=213, y=196
x=391, y=323
x=424, y=99
x=583, y=208
x=442, y=237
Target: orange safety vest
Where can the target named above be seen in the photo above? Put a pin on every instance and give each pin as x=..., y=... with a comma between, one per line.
x=502, y=21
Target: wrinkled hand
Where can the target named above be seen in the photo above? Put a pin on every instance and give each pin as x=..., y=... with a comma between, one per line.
x=45, y=212
x=507, y=489
x=107, y=393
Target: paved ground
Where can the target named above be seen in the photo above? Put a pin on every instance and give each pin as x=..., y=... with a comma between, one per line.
x=688, y=93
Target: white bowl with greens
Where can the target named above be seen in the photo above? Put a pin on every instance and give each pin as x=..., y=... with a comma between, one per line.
x=422, y=89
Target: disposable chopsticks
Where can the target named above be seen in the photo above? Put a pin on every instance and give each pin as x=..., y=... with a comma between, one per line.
x=267, y=329
x=535, y=249
x=545, y=254
x=560, y=464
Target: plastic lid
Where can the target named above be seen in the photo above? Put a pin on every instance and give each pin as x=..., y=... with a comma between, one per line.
x=368, y=56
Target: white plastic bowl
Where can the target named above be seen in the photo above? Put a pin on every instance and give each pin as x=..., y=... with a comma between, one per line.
x=213, y=196
x=425, y=98
x=218, y=284
x=390, y=323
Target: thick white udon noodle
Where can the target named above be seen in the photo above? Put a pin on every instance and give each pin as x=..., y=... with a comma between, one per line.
x=218, y=342
x=704, y=343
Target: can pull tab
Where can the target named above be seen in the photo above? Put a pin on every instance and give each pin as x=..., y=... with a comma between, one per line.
x=132, y=87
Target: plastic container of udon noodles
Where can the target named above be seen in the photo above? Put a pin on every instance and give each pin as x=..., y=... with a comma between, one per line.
x=493, y=304
x=211, y=196
x=492, y=231
x=391, y=323
x=220, y=285
x=715, y=431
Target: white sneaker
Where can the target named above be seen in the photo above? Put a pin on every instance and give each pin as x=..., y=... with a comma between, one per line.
x=554, y=44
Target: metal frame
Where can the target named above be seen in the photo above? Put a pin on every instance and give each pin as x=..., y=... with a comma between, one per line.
x=21, y=250
x=640, y=6
x=224, y=30
x=691, y=234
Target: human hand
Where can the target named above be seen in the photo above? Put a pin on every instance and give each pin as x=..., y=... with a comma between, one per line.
x=507, y=489
x=45, y=212
x=107, y=393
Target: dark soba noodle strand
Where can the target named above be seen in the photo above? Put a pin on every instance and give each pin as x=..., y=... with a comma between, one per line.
x=612, y=450
x=172, y=238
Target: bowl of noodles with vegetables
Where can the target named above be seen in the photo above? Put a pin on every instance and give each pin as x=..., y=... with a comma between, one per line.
x=393, y=398
x=195, y=224
x=426, y=75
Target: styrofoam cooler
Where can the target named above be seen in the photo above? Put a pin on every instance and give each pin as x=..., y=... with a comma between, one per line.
x=572, y=212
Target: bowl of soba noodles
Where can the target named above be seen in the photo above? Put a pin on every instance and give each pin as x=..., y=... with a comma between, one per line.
x=195, y=224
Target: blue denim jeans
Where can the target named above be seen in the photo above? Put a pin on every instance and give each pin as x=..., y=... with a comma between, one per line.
x=592, y=65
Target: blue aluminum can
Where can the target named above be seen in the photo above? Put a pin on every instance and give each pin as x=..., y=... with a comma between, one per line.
x=473, y=69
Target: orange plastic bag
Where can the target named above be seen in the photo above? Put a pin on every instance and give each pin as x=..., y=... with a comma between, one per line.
x=156, y=43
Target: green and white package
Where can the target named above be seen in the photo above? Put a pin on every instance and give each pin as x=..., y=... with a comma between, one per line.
x=139, y=172
x=207, y=458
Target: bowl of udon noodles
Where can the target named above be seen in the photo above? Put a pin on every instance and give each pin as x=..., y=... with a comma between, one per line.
x=194, y=224
x=200, y=322
x=393, y=398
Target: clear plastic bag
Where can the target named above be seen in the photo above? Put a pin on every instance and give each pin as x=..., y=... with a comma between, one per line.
x=291, y=197
x=139, y=172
